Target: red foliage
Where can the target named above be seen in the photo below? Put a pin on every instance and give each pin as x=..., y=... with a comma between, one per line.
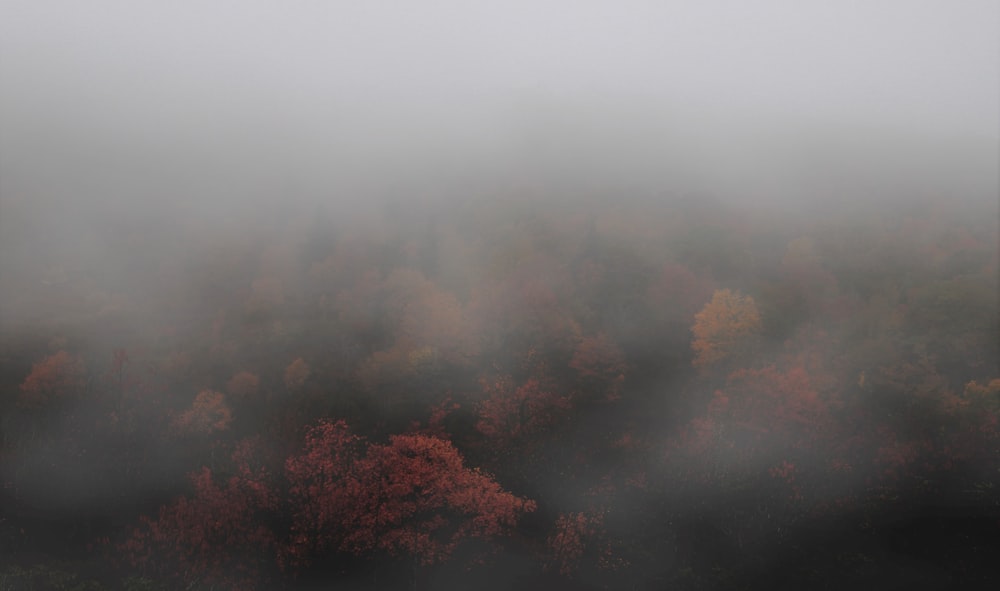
x=526, y=310
x=778, y=400
x=509, y=413
x=599, y=358
x=573, y=533
x=320, y=489
x=216, y=536
x=763, y=415
x=435, y=423
x=418, y=497
x=677, y=294
x=412, y=495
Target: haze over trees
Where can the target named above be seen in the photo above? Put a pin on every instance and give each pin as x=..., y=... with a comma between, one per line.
x=446, y=297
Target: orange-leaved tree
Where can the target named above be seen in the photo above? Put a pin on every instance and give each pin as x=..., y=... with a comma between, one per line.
x=296, y=374
x=727, y=325
x=208, y=414
x=57, y=376
x=243, y=385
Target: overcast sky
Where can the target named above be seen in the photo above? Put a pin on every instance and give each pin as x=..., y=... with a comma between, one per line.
x=208, y=86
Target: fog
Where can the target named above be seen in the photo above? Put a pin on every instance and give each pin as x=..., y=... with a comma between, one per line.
x=141, y=108
x=111, y=102
x=156, y=158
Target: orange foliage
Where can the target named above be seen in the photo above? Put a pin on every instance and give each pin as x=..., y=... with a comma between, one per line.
x=429, y=317
x=208, y=413
x=724, y=325
x=990, y=392
x=57, y=376
x=296, y=374
x=243, y=385
x=776, y=399
x=599, y=356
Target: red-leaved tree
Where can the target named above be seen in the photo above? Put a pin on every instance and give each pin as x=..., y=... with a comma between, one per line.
x=600, y=362
x=413, y=496
x=511, y=413
x=215, y=537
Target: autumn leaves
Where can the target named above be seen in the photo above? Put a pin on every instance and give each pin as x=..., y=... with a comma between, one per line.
x=57, y=376
x=412, y=495
x=725, y=327
x=366, y=414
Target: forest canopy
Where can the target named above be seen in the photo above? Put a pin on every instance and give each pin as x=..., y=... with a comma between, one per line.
x=541, y=295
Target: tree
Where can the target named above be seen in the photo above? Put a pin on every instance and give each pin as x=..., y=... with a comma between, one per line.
x=214, y=537
x=600, y=361
x=435, y=319
x=320, y=489
x=413, y=495
x=296, y=374
x=572, y=534
x=676, y=294
x=429, y=334
x=208, y=414
x=726, y=325
x=974, y=431
x=510, y=413
x=243, y=385
x=989, y=394
x=425, y=501
x=527, y=311
x=57, y=376
x=772, y=400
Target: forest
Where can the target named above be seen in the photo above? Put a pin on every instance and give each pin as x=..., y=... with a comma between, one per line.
x=636, y=394
x=545, y=295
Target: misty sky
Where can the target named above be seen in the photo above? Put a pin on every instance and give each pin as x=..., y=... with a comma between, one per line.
x=164, y=97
